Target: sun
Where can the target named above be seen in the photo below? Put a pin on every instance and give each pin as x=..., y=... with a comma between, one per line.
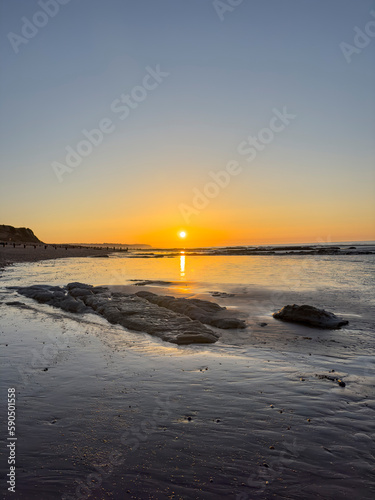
x=182, y=234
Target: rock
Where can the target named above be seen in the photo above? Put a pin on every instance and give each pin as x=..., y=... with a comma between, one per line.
x=43, y=296
x=130, y=311
x=262, y=324
x=69, y=304
x=16, y=303
x=222, y=294
x=80, y=292
x=153, y=282
x=332, y=378
x=39, y=294
x=54, y=296
x=204, y=311
x=76, y=284
x=310, y=316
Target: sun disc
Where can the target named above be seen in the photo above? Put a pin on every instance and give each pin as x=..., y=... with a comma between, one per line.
x=182, y=234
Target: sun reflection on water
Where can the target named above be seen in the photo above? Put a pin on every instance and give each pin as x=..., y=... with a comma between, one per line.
x=182, y=265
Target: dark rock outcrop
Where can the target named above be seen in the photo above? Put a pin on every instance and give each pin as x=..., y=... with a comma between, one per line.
x=153, y=282
x=53, y=296
x=204, y=311
x=130, y=311
x=310, y=316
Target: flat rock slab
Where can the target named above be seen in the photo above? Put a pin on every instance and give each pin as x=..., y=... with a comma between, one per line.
x=204, y=311
x=153, y=282
x=310, y=316
x=130, y=311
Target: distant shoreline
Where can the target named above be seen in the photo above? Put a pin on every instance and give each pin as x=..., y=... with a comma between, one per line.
x=34, y=252
x=11, y=253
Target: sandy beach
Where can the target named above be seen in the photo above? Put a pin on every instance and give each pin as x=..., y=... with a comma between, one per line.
x=103, y=416
x=104, y=412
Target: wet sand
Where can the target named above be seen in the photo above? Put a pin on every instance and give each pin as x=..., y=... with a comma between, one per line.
x=107, y=414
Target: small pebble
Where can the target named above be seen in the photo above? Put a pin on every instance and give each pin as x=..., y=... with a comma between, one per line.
x=341, y=383
x=189, y=418
x=45, y=369
x=272, y=447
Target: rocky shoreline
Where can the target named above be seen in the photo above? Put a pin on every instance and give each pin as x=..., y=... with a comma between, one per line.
x=175, y=320
x=334, y=250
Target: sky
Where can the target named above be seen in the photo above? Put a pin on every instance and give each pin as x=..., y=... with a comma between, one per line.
x=239, y=123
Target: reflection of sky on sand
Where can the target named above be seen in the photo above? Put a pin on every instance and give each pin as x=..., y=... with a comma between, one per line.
x=121, y=378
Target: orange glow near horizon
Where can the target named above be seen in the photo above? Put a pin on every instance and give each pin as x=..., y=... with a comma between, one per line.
x=206, y=236
x=221, y=224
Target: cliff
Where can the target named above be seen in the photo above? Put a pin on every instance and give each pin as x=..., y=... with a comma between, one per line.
x=17, y=234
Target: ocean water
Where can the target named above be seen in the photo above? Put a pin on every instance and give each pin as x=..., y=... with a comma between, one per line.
x=263, y=422
x=259, y=285
x=343, y=283
x=298, y=272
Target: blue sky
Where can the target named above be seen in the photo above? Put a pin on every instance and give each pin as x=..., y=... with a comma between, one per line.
x=225, y=77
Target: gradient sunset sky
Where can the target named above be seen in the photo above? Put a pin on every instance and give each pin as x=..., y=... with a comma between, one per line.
x=223, y=77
